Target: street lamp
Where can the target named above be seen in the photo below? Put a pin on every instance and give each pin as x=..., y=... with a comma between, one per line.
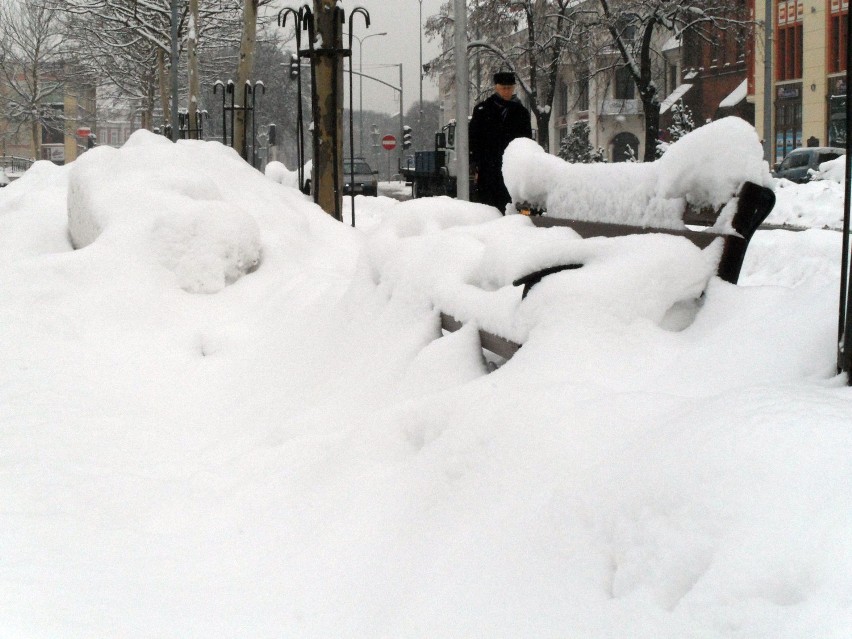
x=420, y=72
x=361, y=87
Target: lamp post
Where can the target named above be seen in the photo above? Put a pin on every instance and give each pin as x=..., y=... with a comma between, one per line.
x=361, y=87
x=173, y=70
x=420, y=113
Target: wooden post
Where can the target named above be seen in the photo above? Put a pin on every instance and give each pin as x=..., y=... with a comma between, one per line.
x=327, y=181
x=462, y=100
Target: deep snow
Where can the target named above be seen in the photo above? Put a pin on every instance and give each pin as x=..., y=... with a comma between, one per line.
x=297, y=454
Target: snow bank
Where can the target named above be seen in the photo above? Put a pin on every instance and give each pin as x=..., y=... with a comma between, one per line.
x=173, y=196
x=277, y=172
x=814, y=204
x=834, y=170
x=301, y=455
x=704, y=168
x=33, y=218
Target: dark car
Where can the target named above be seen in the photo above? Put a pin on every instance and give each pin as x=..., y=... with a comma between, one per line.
x=359, y=178
x=364, y=178
x=797, y=165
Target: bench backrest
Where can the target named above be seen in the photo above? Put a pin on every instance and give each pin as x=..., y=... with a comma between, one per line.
x=705, y=169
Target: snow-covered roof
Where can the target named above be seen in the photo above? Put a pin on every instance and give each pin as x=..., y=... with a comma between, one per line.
x=736, y=96
x=674, y=96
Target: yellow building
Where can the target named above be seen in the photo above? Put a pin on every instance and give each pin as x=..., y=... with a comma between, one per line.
x=808, y=73
x=66, y=117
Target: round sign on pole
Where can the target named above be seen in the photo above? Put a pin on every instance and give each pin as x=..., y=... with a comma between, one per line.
x=389, y=143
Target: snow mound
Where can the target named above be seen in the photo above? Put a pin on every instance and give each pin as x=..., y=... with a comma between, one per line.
x=169, y=194
x=816, y=204
x=33, y=219
x=834, y=170
x=277, y=172
x=706, y=167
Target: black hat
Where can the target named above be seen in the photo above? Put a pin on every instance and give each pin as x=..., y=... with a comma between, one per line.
x=504, y=77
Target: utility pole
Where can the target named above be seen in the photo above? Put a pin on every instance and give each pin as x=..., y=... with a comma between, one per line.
x=768, y=135
x=173, y=70
x=399, y=149
x=844, y=344
x=420, y=73
x=462, y=101
x=327, y=62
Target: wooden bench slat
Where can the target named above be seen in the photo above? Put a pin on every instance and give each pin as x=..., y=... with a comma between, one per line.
x=490, y=342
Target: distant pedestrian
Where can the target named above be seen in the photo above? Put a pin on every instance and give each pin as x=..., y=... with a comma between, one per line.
x=496, y=121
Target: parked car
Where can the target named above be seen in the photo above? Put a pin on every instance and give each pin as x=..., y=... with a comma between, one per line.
x=359, y=178
x=799, y=163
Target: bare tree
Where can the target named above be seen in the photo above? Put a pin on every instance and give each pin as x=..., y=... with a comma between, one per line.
x=533, y=38
x=31, y=65
x=631, y=27
x=128, y=42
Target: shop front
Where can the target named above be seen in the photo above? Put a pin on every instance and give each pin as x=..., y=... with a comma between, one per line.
x=788, y=119
x=837, y=111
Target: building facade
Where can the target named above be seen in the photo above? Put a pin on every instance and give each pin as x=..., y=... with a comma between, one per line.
x=807, y=74
x=65, y=120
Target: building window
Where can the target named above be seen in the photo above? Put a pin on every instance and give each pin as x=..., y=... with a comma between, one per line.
x=788, y=50
x=788, y=125
x=53, y=124
x=583, y=93
x=625, y=88
x=837, y=37
x=563, y=100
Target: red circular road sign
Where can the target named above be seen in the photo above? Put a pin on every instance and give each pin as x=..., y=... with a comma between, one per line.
x=389, y=143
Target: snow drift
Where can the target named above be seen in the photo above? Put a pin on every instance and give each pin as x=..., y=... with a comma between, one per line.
x=302, y=454
x=170, y=195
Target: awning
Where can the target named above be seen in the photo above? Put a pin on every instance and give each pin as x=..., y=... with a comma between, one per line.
x=736, y=96
x=674, y=96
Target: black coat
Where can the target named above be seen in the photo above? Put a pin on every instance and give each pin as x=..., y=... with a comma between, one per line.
x=494, y=124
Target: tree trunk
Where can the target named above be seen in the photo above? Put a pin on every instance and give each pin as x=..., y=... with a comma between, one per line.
x=163, y=78
x=192, y=70
x=652, y=127
x=148, y=112
x=35, y=129
x=327, y=184
x=542, y=121
x=244, y=71
x=648, y=94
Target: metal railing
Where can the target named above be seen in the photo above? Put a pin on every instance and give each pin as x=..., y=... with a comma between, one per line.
x=15, y=164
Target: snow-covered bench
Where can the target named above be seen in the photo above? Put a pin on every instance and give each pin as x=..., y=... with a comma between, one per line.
x=715, y=177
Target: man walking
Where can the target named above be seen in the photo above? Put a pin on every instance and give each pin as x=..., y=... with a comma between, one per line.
x=496, y=122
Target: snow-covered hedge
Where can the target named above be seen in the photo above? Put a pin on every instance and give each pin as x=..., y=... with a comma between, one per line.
x=706, y=167
x=170, y=194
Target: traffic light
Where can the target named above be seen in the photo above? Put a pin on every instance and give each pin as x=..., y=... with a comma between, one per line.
x=406, y=137
x=294, y=66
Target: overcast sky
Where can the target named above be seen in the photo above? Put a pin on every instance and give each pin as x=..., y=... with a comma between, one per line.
x=400, y=19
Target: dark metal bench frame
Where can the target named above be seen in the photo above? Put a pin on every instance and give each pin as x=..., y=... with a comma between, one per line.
x=753, y=206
